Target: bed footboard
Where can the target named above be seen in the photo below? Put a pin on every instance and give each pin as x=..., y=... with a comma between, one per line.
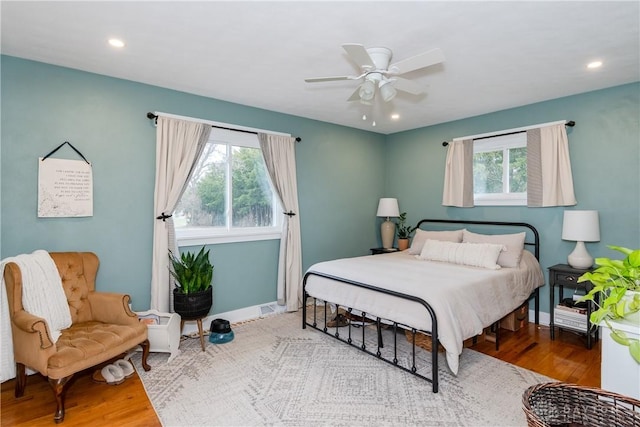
x=379, y=323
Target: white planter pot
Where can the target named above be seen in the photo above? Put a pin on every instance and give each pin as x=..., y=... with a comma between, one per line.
x=620, y=373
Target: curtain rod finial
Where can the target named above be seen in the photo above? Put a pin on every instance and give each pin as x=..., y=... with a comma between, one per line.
x=445, y=143
x=151, y=116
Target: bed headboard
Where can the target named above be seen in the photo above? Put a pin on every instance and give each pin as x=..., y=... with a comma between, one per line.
x=532, y=239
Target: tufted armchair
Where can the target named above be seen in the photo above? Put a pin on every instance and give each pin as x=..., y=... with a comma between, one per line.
x=103, y=327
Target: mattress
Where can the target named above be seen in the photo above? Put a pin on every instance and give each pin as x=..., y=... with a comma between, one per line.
x=465, y=299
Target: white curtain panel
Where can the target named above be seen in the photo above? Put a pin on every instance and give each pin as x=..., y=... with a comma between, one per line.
x=280, y=159
x=458, y=175
x=179, y=143
x=549, y=178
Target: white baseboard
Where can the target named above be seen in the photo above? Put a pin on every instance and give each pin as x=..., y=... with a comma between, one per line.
x=235, y=316
x=544, y=317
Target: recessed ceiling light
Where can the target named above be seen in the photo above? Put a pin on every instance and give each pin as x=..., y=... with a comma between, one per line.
x=594, y=64
x=395, y=116
x=116, y=42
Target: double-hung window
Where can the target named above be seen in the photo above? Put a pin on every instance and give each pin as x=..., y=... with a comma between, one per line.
x=229, y=197
x=500, y=170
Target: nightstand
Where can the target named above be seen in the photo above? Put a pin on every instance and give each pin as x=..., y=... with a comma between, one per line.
x=378, y=251
x=561, y=276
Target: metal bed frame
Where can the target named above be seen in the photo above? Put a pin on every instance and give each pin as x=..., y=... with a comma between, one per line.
x=434, y=321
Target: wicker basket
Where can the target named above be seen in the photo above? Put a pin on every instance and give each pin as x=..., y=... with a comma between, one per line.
x=552, y=404
x=422, y=340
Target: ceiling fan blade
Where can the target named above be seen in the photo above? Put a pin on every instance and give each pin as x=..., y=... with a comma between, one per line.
x=355, y=96
x=359, y=54
x=329, y=79
x=432, y=57
x=406, y=85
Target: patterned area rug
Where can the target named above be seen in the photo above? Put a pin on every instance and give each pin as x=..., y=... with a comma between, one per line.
x=276, y=373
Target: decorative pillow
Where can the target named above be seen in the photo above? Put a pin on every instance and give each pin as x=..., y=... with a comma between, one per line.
x=482, y=255
x=513, y=242
x=421, y=236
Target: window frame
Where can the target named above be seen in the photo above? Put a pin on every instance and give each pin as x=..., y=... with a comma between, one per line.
x=195, y=236
x=500, y=143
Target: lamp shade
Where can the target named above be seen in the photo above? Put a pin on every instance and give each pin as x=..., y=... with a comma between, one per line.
x=388, y=207
x=581, y=226
x=387, y=91
x=367, y=90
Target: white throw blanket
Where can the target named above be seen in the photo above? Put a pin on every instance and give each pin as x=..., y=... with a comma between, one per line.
x=42, y=296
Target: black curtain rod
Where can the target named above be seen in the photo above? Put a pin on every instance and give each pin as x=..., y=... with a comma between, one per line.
x=155, y=117
x=570, y=123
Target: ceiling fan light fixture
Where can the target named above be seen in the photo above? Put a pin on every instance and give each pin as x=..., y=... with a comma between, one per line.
x=367, y=90
x=387, y=91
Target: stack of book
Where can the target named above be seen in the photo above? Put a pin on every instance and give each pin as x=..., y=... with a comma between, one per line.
x=574, y=309
x=571, y=317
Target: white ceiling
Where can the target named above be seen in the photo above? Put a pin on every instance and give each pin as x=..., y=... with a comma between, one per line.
x=498, y=54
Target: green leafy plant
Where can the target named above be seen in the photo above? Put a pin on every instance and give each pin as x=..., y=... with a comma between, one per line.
x=611, y=281
x=404, y=231
x=193, y=273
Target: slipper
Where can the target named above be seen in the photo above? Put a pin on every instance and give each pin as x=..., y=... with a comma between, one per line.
x=110, y=374
x=354, y=318
x=339, y=321
x=97, y=377
x=127, y=368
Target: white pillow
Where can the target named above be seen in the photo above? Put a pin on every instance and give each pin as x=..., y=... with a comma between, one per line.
x=421, y=236
x=514, y=244
x=483, y=255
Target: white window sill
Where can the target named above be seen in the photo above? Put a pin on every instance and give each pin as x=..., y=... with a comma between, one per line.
x=500, y=203
x=200, y=239
x=502, y=200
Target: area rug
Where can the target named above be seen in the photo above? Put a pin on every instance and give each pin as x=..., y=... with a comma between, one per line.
x=275, y=373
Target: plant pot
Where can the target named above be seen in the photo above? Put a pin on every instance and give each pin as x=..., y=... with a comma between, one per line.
x=194, y=305
x=619, y=371
x=403, y=244
x=633, y=318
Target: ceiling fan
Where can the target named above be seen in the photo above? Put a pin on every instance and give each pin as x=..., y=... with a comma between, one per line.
x=379, y=75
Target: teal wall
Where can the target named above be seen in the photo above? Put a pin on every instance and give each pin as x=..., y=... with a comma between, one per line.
x=342, y=172
x=605, y=158
x=339, y=179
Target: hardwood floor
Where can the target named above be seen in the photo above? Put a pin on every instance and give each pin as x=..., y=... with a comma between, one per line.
x=88, y=403
x=566, y=358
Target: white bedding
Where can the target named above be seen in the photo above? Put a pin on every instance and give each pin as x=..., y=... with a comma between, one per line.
x=464, y=299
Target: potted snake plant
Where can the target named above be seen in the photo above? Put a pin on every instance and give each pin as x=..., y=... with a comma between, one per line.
x=193, y=293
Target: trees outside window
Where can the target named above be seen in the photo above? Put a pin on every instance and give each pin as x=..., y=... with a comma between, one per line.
x=229, y=192
x=500, y=170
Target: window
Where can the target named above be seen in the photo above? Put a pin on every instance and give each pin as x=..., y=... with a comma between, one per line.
x=500, y=170
x=229, y=196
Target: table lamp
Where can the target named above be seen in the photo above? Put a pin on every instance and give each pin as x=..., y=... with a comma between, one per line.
x=580, y=226
x=388, y=207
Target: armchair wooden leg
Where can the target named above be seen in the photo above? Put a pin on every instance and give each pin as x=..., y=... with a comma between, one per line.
x=21, y=379
x=145, y=353
x=59, y=390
